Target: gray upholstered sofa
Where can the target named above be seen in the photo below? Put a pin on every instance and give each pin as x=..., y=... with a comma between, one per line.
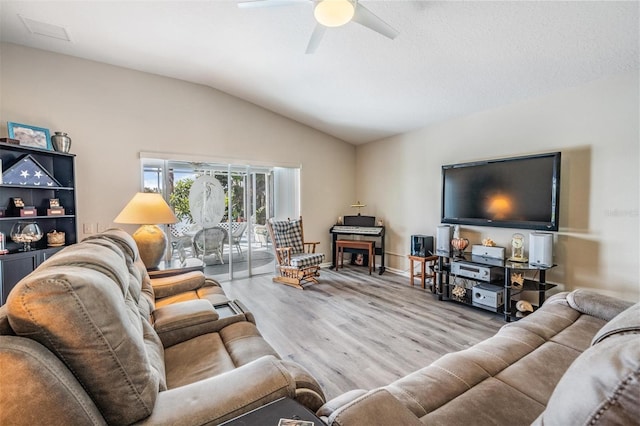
x=83, y=340
x=575, y=361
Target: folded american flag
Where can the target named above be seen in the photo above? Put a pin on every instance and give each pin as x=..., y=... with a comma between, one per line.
x=27, y=171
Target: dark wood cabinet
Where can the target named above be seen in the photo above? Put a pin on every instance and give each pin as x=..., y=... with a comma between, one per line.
x=14, y=267
x=61, y=166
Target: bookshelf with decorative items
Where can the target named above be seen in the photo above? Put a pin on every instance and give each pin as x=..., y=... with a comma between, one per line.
x=37, y=209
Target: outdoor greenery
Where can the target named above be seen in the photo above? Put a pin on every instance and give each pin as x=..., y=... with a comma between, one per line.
x=179, y=198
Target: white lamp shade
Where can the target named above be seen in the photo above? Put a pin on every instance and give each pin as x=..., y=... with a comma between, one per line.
x=146, y=208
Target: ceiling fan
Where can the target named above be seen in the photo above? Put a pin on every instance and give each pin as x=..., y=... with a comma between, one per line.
x=332, y=13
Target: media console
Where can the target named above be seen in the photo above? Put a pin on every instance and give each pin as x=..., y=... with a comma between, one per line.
x=487, y=283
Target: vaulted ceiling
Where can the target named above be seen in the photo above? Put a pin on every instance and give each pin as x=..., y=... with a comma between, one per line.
x=450, y=58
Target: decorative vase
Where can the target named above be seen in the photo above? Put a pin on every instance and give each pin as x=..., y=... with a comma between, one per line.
x=61, y=142
x=460, y=244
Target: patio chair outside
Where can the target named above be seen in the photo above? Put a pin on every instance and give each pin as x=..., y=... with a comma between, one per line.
x=209, y=241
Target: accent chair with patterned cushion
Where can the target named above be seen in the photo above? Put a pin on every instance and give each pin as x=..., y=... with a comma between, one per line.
x=298, y=262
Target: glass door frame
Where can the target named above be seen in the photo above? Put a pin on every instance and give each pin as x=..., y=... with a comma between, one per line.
x=167, y=162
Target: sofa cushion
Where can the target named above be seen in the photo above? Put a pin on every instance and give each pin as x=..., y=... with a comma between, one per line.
x=140, y=284
x=211, y=354
x=607, y=378
x=55, y=395
x=244, y=343
x=79, y=305
x=214, y=294
x=596, y=304
x=627, y=322
x=306, y=259
x=168, y=286
x=196, y=359
x=484, y=405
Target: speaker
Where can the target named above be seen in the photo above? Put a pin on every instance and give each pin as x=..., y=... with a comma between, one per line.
x=541, y=249
x=421, y=245
x=443, y=239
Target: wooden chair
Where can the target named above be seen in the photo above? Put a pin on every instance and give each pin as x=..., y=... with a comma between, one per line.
x=297, y=260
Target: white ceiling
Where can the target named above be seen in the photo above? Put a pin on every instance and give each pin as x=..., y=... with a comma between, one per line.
x=450, y=59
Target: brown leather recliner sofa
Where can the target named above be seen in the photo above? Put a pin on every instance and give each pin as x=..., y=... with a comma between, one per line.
x=575, y=361
x=86, y=339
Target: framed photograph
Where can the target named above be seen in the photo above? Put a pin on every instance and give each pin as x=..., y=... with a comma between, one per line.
x=294, y=422
x=37, y=137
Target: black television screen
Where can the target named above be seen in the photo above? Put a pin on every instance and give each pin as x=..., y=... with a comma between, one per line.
x=521, y=192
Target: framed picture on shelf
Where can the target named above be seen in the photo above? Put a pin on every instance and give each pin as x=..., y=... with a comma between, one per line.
x=36, y=137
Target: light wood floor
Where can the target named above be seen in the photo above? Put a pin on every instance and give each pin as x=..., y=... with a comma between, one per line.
x=358, y=331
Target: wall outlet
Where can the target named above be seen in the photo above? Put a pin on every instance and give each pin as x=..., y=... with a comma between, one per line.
x=101, y=227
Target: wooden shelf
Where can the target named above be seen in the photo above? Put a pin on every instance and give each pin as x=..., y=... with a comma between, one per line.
x=57, y=216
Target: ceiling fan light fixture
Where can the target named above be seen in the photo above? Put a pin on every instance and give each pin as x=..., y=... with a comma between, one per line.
x=334, y=13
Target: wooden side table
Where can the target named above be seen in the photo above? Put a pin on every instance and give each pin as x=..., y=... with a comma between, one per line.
x=423, y=269
x=358, y=245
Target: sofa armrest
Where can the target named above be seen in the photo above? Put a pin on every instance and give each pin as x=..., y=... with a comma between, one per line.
x=223, y=397
x=181, y=283
x=308, y=390
x=182, y=321
x=597, y=305
x=377, y=407
x=346, y=398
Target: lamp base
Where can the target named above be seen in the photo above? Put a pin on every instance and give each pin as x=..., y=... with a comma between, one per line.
x=152, y=244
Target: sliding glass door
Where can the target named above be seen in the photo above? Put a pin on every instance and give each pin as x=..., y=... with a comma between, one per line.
x=222, y=211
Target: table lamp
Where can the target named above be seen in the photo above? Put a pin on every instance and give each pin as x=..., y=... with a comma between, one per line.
x=148, y=209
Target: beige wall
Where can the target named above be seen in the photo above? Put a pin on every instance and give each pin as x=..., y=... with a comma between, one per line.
x=112, y=114
x=597, y=129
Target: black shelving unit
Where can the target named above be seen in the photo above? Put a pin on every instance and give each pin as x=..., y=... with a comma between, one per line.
x=61, y=166
x=538, y=285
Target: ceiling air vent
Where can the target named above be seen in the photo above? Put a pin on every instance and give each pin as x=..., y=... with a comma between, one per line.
x=44, y=29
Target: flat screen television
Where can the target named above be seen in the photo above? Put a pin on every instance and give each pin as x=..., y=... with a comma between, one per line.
x=519, y=192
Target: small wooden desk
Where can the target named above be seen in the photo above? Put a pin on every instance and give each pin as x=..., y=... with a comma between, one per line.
x=355, y=244
x=423, y=270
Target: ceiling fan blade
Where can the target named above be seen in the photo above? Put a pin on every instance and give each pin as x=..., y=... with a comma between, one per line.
x=365, y=17
x=316, y=38
x=268, y=3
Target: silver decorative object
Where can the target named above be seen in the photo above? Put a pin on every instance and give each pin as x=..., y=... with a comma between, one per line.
x=61, y=142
